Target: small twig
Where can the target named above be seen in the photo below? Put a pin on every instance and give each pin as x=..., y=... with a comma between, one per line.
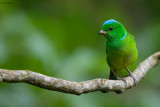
x=77, y=88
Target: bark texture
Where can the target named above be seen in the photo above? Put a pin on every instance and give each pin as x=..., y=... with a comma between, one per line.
x=77, y=88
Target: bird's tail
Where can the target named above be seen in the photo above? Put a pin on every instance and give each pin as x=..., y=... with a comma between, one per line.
x=111, y=76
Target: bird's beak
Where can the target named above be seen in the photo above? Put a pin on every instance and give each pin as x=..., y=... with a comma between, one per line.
x=102, y=32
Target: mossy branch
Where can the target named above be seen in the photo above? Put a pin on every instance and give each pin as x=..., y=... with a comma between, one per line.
x=77, y=88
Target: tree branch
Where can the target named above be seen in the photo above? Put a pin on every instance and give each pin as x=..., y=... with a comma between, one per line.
x=77, y=88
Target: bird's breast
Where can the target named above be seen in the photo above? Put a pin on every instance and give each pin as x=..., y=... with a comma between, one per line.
x=121, y=54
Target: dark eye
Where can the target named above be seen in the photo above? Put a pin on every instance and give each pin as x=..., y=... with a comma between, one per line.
x=111, y=28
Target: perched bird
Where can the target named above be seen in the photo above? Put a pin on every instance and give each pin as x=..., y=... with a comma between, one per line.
x=120, y=48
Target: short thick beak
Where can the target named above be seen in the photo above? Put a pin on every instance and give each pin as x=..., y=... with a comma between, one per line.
x=103, y=32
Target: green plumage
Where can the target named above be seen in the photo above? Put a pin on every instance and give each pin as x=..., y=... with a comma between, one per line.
x=120, y=47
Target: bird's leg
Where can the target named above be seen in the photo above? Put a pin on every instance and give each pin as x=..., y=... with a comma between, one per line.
x=112, y=76
x=118, y=78
x=130, y=74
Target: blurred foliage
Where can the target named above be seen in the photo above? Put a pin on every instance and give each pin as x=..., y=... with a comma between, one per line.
x=60, y=38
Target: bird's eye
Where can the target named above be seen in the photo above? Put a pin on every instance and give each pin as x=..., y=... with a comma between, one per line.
x=111, y=28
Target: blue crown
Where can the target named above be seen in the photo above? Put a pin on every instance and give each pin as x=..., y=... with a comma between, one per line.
x=109, y=21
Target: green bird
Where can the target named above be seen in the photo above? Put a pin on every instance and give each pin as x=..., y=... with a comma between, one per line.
x=120, y=48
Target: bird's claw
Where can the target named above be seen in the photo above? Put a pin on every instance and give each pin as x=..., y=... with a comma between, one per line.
x=135, y=81
x=130, y=74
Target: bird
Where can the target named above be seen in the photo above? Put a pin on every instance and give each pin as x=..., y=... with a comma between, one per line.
x=120, y=49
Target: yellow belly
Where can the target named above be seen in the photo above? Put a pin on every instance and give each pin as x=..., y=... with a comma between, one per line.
x=121, y=59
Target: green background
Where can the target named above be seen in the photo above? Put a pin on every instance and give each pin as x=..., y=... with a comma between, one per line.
x=60, y=38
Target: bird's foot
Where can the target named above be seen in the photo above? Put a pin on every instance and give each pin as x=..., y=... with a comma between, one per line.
x=130, y=74
x=135, y=81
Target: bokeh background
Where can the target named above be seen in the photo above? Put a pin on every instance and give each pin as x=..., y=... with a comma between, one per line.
x=60, y=38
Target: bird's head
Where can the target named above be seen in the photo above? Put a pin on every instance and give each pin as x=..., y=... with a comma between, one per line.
x=112, y=29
